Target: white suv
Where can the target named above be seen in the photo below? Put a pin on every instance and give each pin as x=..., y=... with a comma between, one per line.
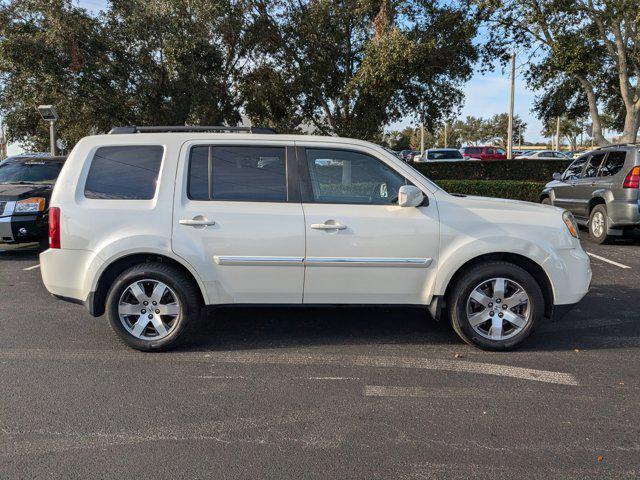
x=155, y=223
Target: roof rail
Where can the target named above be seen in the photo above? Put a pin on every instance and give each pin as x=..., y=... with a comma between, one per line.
x=617, y=145
x=185, y=128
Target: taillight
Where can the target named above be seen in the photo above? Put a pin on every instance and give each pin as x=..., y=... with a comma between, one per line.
x=632, y=180
x=54, y=227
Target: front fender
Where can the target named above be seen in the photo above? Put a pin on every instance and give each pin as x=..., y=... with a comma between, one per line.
x=455, y=256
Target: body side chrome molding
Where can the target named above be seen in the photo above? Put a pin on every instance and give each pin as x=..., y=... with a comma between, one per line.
x=242, y=260
x=367, y=262
x=325, y=261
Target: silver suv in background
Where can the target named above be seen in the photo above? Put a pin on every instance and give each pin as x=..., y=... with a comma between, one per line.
x=601, y=189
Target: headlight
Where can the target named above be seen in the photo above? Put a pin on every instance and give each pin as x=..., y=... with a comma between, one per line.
x=30, y=205
x=571, y=224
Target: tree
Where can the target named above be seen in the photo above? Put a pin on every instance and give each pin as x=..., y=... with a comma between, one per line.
x=148, y=62
x=569, y=129
x=587, y=47
x=51, y=52
x=497, y=128
x=402, y=139
x=351, y=67
x=471, y=131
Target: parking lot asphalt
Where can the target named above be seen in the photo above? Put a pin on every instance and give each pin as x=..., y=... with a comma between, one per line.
x=321, y=393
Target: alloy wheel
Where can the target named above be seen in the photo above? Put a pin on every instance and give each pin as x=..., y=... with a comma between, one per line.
x=498, y=309
x=597, y=224
x=149, y=309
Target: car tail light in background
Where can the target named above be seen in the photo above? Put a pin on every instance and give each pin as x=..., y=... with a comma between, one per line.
x=632, y=180
x=54, y=227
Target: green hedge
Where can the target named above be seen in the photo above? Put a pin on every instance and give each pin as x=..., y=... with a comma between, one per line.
x=531, y=170
x=513, y=189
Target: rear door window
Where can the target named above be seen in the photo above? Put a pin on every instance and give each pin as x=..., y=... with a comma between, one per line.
x=591, y=170
x=124, y=172
x=613, y=164
x=238, y=173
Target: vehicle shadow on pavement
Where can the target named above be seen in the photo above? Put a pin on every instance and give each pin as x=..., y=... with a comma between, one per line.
x=607, y=318
x=245, y=328
x=591, y=325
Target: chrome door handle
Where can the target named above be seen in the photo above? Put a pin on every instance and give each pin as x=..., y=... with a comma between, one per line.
x=328, y=226
x=193, y=222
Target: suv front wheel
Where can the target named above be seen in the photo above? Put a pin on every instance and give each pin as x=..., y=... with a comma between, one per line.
x=151, y=305
x=495, y=305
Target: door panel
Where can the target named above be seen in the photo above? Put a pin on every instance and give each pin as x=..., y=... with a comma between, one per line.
x=565, y=192
x=361, y=247
x=385, y=254
x=246, y=247
x=585, y=186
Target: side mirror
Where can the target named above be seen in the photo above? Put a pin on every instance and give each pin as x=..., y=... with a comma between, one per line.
x=557, y=176
x=410, y=196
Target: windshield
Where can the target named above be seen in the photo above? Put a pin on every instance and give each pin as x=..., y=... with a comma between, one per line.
x=29, y=171
x=443, y=154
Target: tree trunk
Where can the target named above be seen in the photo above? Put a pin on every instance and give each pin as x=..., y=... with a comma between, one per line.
x=631, y=123
x=596, y=124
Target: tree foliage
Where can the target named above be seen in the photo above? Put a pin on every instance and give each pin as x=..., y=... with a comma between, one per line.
x=584, y=55
x=344, y=67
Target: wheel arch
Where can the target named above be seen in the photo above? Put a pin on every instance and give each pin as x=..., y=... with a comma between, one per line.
x=532, y=267
x=118, y=265
x=597, y=199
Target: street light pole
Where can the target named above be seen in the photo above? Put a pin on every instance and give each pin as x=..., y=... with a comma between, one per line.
x=513, y=84
x=53, y=137
x=446, y=135
x=49, y=114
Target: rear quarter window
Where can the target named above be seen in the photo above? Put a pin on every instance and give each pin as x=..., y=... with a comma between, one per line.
x=613, y=164
x=124, y=172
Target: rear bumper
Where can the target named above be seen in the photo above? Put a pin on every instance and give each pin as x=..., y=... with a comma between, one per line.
x=64, y=273
x=88, y=303
x=624, y=213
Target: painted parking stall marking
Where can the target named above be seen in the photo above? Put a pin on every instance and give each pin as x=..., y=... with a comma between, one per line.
x=31, y=268
x=598, y=257
x=346, y=361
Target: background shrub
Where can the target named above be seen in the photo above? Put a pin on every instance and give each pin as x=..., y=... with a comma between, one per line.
x=513, y=189
x=531, y=170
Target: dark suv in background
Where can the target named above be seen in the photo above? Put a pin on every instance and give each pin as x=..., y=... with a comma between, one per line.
x=601, y=189
x=26, y=184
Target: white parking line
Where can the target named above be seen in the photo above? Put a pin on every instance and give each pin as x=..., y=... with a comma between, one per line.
x=418, y=363
x=301, y=359
x=382, y=391
x=334, y=378
x=607, y=260
x=31, y=268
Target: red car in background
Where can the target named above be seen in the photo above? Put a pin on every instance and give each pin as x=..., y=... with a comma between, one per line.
x=484, y=153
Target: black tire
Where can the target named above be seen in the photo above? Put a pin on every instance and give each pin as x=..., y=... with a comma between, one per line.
x=546, y=201
x=474, y=276
x=188, y=296
x=599, y=235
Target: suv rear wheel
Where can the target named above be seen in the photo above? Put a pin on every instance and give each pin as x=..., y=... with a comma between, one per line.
x=598, y=225
x=151, y=305
x=495, y=305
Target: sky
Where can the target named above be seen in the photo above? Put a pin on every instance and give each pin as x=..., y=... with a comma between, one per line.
x=485, y=95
